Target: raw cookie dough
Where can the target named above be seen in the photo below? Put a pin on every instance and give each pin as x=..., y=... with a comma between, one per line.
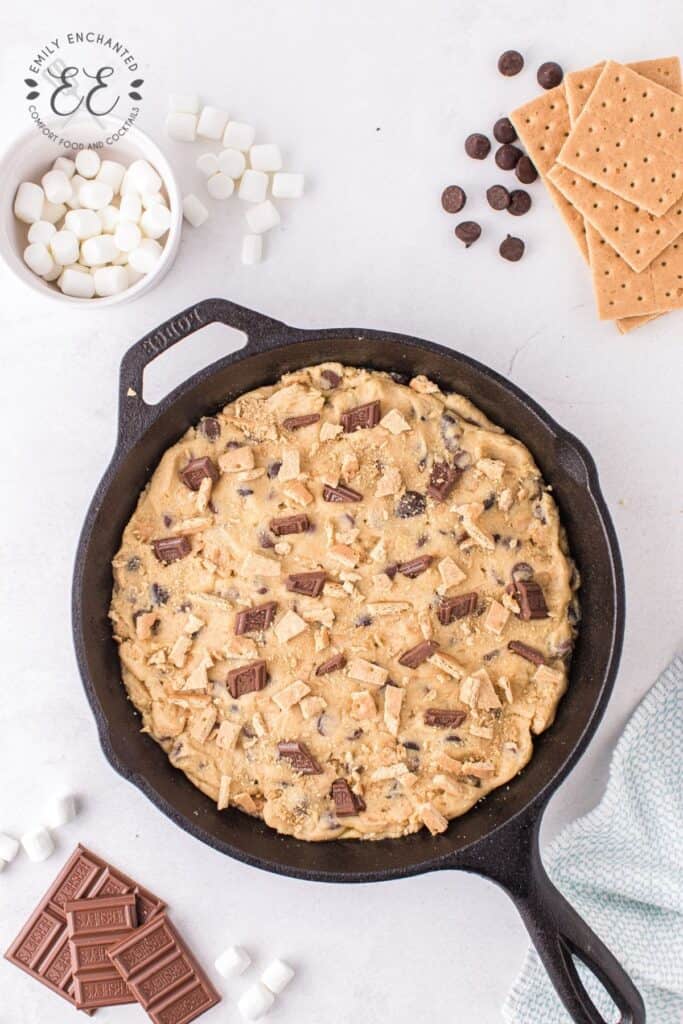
x=382, y=704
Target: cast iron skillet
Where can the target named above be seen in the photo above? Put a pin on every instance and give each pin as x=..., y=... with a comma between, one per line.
x=499, y=837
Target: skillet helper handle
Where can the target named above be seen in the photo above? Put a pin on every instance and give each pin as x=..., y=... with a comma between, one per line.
x=134, y=413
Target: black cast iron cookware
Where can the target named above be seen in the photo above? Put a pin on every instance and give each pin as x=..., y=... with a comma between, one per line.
x=499, y=837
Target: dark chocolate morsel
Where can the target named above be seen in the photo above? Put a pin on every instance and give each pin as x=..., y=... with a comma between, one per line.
x=549, y=75
x=498, y=197
x=196, y=470
x=531, y=600
x=525, y=170
x=504, y=130
x=520, y=202
x=525, y=651
x=210, y=428
x=416, y=655
x=337, y=661
x=410, y=504
x=443, y=718
x=299, y=757
x=477, y=146
x=442, y=480
x=296, y=422
x=507, y=156
x=309, y=583
x=510, y=63
x=468, y=231
x=415, y=566
x=340, y=493
x=346, y=802
x=297, y=523
x=453, y=199
x=171, y=549
x=253, y=620
x=511, y=249
x=361, y=417
x=246, y=679
x=459, y=607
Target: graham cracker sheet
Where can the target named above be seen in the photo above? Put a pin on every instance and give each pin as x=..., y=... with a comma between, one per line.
x=620, y=292
x=629, y=139
x=579, y=85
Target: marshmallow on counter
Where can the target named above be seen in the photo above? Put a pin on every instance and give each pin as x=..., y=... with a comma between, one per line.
x=87, y=163
x=207, y=163
x=287, y=185
x=95, y=195
x=232, y=162
x=277, y=976
x=110, y=281
x=252, y=249
x=212, y=122
x=155, y=221
x=62, y=163
x=146, y=256
x=143, y=178
x=127, y=236
x=255, y=1002
x=194, y=211
x=262, y=217
x=56, y=186
x=98, y=250
x=62, y=809
x=41, y=231
x=28, y=202
x=83, y=223
x=253, y=186
x=238, y=135
x=220, y=186
x=52, y=212
x=186, y=103
x=38, y=843
x=65, y=249
x=37, y=257
x=265, y=157
x=232, y=961
x=76, y=283
x=9, y=847
x=111, y=172
x=181, y=127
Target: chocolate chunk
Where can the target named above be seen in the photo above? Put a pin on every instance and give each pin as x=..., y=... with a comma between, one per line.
x=170, y=549
x=549, y=75
x=442, y=718
x=410, y=504
x=361, y=417
x=524, y=651
x=298, y=523
x=196, y=470
x=477, y=146
x=498, y=197
x=453, y=199
x=511, y=249
x=309, y=583
x=504, y=130
x=246, y=679
x=507, y=156
x=416, y=655
x=525, y=170
x=520, y=202
x=253, y=620
x=510, y=63
x=332, y=378
x=468, y=231
x=415, y=566
x=299, y=757
x=340, y=493
x=442, y=480
x=346, y=802
x=459, y=607
x=210, y=428
x=531, y=600
x=296, y=422
x=337, y=661
x=94, y=926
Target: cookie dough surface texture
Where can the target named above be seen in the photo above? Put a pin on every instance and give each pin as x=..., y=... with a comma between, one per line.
x=345, y=604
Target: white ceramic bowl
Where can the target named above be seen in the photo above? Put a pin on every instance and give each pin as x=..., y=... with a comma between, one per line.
x=32, y=155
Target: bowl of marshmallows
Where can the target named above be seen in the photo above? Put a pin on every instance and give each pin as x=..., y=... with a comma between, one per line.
x=95, y=223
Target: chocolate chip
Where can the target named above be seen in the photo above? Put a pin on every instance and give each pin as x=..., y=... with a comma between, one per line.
x=196, y=470
x=498, y=197
x=520, y=202
x=296, y=422
x=265, y=540
x=253, y=620
x=244, y=492
x=531, y=600
x=299, y=757
x=170, y=549
x=527, y=652
x=309, y=583
x=273, y=469
x=332, y=378
x=453, y=199
x=507, y=156
x=158, y=594
x=510, y=63
x=346, y=802
x=468, y=231
x=442, y=718
x=363, y=621
x=416, y=566
x=442, y=480
x=416, y=655
x=361, y=417
x=391, y=570
x=477, y=146
x=133, y=564
x=451, y=431
x=504, y=130
x=298, y=523
x=337, y=661
x=246, y=679
x=511, y=249
x=459, y=607
x=410, y=504
x=210, y=428
x=549, y=75
x=521, y=571
x=525, y=170
x=340, y=493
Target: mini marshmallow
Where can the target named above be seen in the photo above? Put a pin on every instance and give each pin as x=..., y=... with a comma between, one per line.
x=28, y=202
x=255, y=1002
x=181, y=127
x=41, y=231
x=56, y=186
x=220, y=186
x=130, y=207
x=127, y=236
x=262, y=217
x=232, y=162
x=212, y=122
x=97, y=251
x=77, y=183
x=253, y=186
x=238, y=135
x=207, y=163
x=83, y=223
x=142, y=176
x=111, y=172
x=76, y=283
x=62, y=163
x=62, y=809
x=37, y=257
x=156, y=221
x=95, y=195
x=133, y=275
x=252, y=249
x=52, y=212
x=109, y=218
x=232, y=961
x=87, y=163
x=288, y=186
x=277, y=976
x=54, y=273
x=153, y=199
x=38, y=844
x=187, y=103
x=9, y=847
x=121, y=260
x=65, y=247
x=110, y=281
x=146, y=256
x=3, y=865
x=265, y=157
x=194, y=211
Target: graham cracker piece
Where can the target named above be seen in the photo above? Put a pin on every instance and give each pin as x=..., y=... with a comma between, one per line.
x=580, y=84
x=621, y=292
x=629, y=138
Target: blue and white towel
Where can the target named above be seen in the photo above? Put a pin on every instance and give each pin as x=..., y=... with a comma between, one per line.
x=621, y=866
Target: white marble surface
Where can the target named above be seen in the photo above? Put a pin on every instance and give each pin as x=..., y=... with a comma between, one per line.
x=373, y=102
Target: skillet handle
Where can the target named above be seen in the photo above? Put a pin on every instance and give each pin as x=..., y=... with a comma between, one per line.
x=134, y=413
x=556, y=929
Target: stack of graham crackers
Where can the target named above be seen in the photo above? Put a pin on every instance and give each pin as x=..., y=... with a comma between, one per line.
x=608, y=143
